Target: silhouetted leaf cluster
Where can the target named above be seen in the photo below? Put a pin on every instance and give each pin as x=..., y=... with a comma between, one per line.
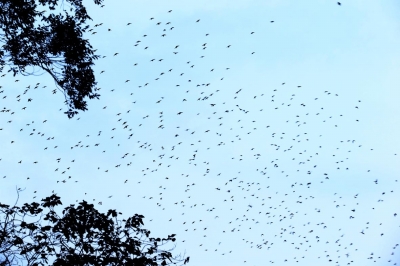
x=53, y=42
x=82, y=236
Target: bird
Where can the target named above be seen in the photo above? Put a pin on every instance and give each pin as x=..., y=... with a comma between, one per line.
x=258, y=169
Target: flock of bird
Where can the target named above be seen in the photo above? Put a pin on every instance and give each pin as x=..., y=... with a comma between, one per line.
x=243, y=174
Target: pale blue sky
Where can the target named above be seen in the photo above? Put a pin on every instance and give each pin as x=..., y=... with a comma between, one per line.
x=258, y=152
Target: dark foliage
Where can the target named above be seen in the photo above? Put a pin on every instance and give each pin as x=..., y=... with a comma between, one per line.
x=82, y=236
x=53, y=42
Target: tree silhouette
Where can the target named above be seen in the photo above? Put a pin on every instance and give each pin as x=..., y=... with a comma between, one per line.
x=53, y=42
x=82, y=236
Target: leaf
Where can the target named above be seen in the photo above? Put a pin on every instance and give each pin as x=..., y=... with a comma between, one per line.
x=46, y=228
x=18, y=241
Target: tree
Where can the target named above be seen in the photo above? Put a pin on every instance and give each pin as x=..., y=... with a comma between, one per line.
x=82, y=236
x=52, y=42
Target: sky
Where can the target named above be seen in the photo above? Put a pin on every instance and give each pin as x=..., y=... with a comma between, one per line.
x=259, y=132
